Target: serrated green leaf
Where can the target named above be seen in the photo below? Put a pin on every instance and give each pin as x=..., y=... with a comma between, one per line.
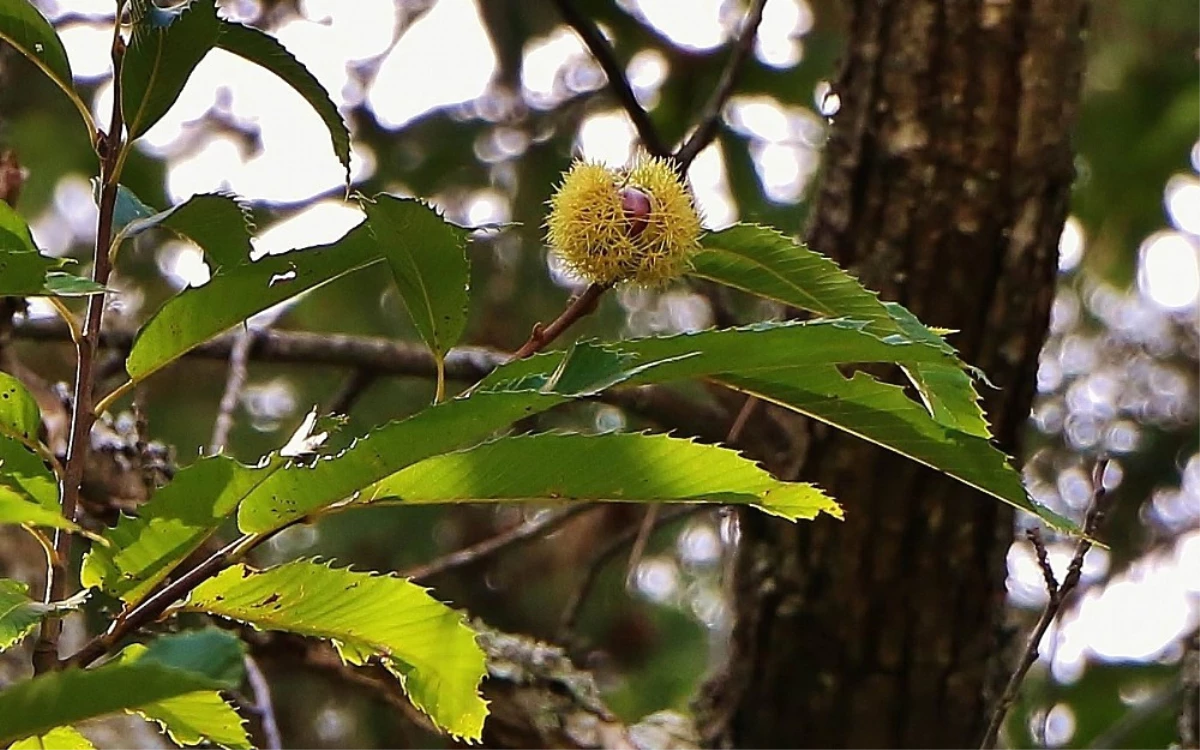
x=264, y=50
x=31, y=274
x=757, y=347
x=36, y=706
x=216, y=654
x=165, y=49
x=16, y=236
x=218, y=224
x=15, y=509
x=59, y=738
x=946, y=390
x=380, y=614
x=756, y=359
x=23, y=473
x=762, y=261
x=63, y=284
x=198, y=718
x=236, y=292
x=25, y=272
x=609, y=467
x=428, y=260
x=19, y=614
x=127, y=208
x=882, y=414
x=143, y=550
x=202, y=716
x=297, y=490
x=22, y=272
x=22, y=268
x=22, y=26
x=20, y=417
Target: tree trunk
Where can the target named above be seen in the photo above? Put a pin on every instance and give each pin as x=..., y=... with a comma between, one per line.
x=946, y=182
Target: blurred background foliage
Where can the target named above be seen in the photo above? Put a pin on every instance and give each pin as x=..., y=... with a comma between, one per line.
x=1118, y=374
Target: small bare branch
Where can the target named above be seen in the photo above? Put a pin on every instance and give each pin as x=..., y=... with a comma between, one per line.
x=492, y=546
x=1189, y=683
x=575, y=604
x=580, y=307
x=617, y=80
x=1095, y=514
x=234, y=382
x=263, y=707
x=710, y=116
x=45, y=650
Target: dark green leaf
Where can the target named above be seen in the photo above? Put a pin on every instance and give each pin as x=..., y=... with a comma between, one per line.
x=23, y=472
x=16, y=236
x=236, y=292
x=298, y=490
x=369, y=614
x=610, y=467
x=24, y=272
x=22, y=269
x=142, y=550
x=882, y=414
x=201, y=716
x=219, y=224
x=217, y=654
x=791, y=364
x=56, y=699
x=22, y=26
x=263, y=49
x=165, y=49
x=762, y=261
x=427, y=258
x=293, y=493
x=62, y=284
x=758, y=347
x=128, y=207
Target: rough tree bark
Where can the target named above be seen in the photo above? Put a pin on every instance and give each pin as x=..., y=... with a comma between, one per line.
x=945, y=187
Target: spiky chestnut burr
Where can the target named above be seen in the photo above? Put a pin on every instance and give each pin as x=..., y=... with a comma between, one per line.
x=637, y=225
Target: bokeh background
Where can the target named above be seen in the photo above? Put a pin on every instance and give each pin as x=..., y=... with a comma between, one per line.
x=478, y=106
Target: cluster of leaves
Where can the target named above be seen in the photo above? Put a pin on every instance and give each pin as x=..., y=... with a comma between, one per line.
x=454, y=451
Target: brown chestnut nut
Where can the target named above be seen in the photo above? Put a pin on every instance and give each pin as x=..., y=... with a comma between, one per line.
x=636, y=205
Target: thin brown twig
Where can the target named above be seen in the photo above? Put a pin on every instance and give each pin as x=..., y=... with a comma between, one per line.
x=263, y=707
x=45, y=650
x=490, y=547
x=1189, y=684
x=1095, y=515
x=710, y=116
x=617, y=80
x=389, y=358
x=151, y=607
x=1034, y=535
x=651, y=517
x=574, y=605
x=353, y=388
x=378, y=354
x=649, y=520
x=579, y=307
x=235, y=380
